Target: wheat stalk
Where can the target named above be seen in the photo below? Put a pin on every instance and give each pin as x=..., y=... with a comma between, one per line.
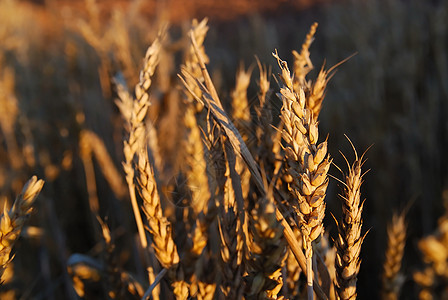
x=85, y=152
x=328, y=254
x=106, y=164
x=12, y=221
x=134, y=112
x=293, y=269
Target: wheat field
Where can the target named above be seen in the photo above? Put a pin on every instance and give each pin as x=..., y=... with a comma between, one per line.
x=223, y=150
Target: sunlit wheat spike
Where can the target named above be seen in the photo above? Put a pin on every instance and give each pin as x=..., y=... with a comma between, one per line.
x=159, y=226
x=314, y=89
x=204, y=290
x=349, y=240
x=13, y=220
x=134, y=113
x=199, y=31
x=302, y=61
x=231, y=234
x=196, y=164
x=9, y=109
x=307, y=163
x=268, y=148
x=242, y=118
x=393, y=278
x=142, y=101
x=240, y=103
x=268, y=253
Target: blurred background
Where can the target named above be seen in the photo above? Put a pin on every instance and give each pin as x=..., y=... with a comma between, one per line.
x=57, y=59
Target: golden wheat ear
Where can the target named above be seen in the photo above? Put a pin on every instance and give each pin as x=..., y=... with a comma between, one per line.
x=268, y=252
x=13, y=220
x=160, y=228
x=307, y=163
x=393, y=278
x=349, y=240
x=134, y=111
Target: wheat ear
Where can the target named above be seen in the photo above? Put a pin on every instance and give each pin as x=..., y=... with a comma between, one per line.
x=240, y=103
x=159, y=226
x=308, y=164
x=314, y=90
x=199, y=31
x=204, y=291
x=241, y=118
x=268, y=253
x=349, y=241
x=393, y=279
x=196, y=166
x=231, y=220
x=134, y=112
x=302, y=61
x=267, y=147
x=199, y=235
x=9, y=109
x=13, y=220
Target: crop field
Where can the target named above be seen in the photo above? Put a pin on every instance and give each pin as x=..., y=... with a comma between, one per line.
x=224, y=149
